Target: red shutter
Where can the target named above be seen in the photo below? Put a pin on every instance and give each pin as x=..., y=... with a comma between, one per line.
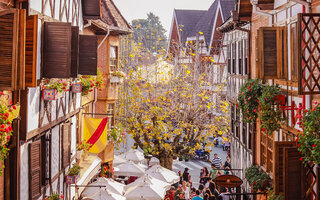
x=35, y=169
x=57, y=50
x=91, y=7
x=8, y=49
x=31, y=51
x=293, y=174
x=279, y=165
x=88, y=54
x=272, y=54
x=74, y=51
x=66, y=134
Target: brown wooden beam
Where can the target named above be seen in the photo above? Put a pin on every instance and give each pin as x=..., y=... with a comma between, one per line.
x=266, y=6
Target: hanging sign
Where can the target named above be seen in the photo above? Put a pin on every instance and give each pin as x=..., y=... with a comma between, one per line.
x=228, y=181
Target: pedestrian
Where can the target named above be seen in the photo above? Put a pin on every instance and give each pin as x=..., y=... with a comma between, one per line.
x=193, y=193
x=197, y=197
x=224, y=194
x=213, y=171
x=201, y=177
x=216, y=161
x=206, y=186
x=227, y=163
x=186, y=176
x=181, y=196
x=205, y=175
x=177, y=192
x=186, y=189
x=201, y=188
x=213, y=190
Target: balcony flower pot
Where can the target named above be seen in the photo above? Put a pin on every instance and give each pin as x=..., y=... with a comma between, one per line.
x=73, y=174
x=76, y=88
x=49, y=94
x=116, y=79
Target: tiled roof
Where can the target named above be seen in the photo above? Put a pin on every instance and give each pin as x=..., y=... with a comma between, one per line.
x=189, y=19
x=112, y=16
x=195, y=21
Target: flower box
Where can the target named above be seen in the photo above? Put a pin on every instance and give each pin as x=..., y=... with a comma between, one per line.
x=76, y=88
x=115, y=79
x=72, y=179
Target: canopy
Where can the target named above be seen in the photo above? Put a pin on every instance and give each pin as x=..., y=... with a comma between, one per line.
x=154, y=161
x=148, y=180
x=117, y=160
x=134, y=155
x=129, y=169
x=107, y=184
x=105, y=195
x=163, y=174
x=145, y=191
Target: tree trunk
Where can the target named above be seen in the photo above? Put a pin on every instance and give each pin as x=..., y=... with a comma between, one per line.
x=166, y=161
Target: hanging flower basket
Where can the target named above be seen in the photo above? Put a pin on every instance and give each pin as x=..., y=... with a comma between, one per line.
x=309, y=140
x=73, y=174
x=116, y=80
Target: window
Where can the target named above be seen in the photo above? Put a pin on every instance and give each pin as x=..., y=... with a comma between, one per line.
x=272, y=53
x=237, y=121
x=245, y=57
x=266, y=146
x=110, y=113
x=240, y=50
x=113, y=58
x=229, y=57
x=244, y=134
x=233, y=58
x=232, y=119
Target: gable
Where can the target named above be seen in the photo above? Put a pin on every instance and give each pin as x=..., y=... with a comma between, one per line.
x=217, y=36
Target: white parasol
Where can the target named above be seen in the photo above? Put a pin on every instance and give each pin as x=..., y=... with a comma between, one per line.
x=147, y=180
x=105, y=195
x=106, y=184
x=129, y=169
x=134, y=155
x=163, y=174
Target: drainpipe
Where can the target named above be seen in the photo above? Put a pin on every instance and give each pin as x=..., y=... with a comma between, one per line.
x=105, y=37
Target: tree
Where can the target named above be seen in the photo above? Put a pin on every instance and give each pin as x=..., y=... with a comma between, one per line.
x=149, y=33
x=168, y=114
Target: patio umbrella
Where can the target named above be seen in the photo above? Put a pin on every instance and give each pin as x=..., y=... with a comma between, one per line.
x=154, y=161
x=106, y=184
x=142, y=165
x=163, y=174
x=147, y=180
x=117, y=160
x=134, y=155
x=105, y=195
x=146, y=191
x=129, y=169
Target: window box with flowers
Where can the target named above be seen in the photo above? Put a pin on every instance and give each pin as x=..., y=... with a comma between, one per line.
x=257, y=179
x=54, y=196
x=88, y=83
x=54, y=88
x=82, y=150
x=117, y=76
x=7, y=114
x=73, y=174
x=309, y=140
x=106, y=171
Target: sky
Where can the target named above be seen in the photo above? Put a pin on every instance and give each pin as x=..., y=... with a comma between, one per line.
x=138, y=9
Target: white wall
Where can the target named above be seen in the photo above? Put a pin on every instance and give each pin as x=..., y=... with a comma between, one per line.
x=33, y=108
x=55, y=152
x=24, y=172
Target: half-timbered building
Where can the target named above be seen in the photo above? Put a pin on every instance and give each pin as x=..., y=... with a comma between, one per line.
x=47, y=41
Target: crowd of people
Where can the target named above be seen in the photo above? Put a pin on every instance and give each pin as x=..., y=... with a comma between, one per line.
x=207, y=190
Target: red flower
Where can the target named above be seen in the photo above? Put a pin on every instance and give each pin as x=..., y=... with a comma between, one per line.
x=263, y=129
x=7, y=114
x=2, y=126
x=7, y=130
x=11, y=102
x=10, y=128
x=5, y=146
x=14, y=107
x=305, y=110
x=255, y=182
x=10, y=110
x=314, y=145
x=249, y=98
x=299, y=145
x=301, y=159
x=8, y=137
x=297, y=139
x=249, y=118
x=254, y=110
x=8, y=122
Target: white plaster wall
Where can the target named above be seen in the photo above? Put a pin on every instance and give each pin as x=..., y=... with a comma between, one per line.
x=296, y=9
x=24, y=172
x=278, y=3
x=74, y=135
x=35, y=5
x=78, y=100
x=55, y=151
x=34, y=96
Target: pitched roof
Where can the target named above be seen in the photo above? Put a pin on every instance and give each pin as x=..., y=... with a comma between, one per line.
x=111, y=15
x=189, y=19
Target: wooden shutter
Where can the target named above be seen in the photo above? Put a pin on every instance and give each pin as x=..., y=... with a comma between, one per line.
x=308, y=53
x=74, y=51
x=66, y=134
x=88, y=54
x=31, y=51
x=22, y=47
x=272, y=52
x=293, y=173
x=35, y=169
x=91, y=7
x=57, y=50
x=9, y=21
x=278, y=167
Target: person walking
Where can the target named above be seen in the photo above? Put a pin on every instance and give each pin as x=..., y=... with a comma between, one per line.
x=224, y=194
x=186, y=176
x=216, y=161
x=227, y=163
x=213, y=171
x=197, y=197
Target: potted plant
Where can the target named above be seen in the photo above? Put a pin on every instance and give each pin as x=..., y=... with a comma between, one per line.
x=54, y=196
x=187, y=158
x=82, y=150
x=106, y=171
x=309, y=140
x=88, y=83
x=257, y=179
x=54, y=88
x=180, y=157
x=73, y=174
